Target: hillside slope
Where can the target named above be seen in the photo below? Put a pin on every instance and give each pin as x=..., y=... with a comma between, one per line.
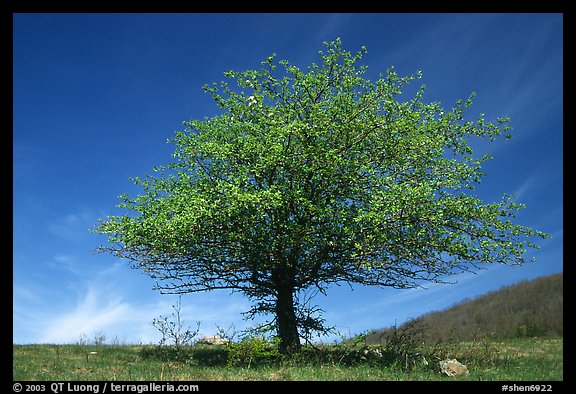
x=528, y=308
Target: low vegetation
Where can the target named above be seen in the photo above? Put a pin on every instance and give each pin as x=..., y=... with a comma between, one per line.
x=257, y=359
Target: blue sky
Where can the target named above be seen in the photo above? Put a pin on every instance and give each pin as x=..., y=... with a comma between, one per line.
x=96, y=96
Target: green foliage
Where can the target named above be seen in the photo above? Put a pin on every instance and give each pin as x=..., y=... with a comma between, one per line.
x=313, y=177
x=252, y=351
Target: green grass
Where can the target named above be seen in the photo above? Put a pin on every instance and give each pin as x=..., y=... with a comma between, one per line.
x=538, y=359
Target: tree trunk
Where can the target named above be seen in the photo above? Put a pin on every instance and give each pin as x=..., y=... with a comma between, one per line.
x=286, y=320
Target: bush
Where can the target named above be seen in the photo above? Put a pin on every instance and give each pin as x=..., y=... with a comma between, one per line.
x=405, y=346
x=173, y=328
x=252, y=351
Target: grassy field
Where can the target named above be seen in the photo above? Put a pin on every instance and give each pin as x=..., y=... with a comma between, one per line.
x=537, y=359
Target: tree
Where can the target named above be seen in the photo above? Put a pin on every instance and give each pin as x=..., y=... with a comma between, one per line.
x=313, y=178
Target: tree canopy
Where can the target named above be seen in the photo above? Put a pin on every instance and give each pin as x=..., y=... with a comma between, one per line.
x=317, y=177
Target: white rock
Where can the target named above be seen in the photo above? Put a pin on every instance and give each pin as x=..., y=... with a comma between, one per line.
x=213, y=340
x=453, y=367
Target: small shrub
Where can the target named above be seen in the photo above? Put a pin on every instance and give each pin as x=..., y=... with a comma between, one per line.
x=356, y=350
x=81, y=341
x=252, y=351
x=99, y=338
x=228, y=334
x=173, y=328
x=405, y=346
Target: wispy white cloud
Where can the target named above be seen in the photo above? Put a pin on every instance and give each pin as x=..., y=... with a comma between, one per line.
x=115, y=301
x=94, y=313
x=528, y=184
x=536, y=181
x=99, y=311
x=73, y=226
x=65, y=262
